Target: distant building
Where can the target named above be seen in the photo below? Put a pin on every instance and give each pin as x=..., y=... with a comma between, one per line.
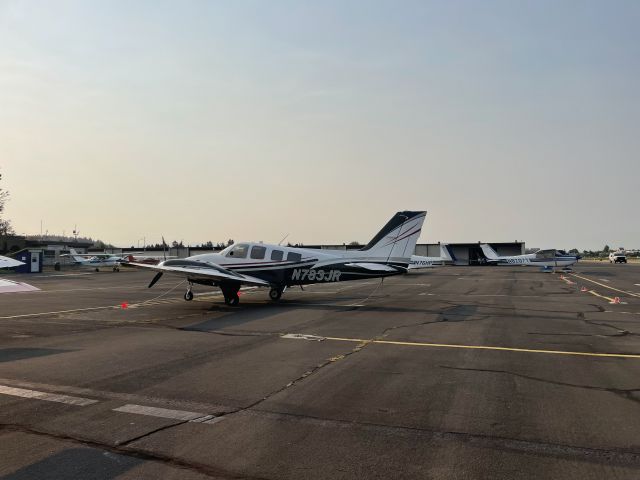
x=470, y=253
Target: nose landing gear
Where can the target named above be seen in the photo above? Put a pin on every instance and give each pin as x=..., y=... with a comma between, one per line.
x=188, y=295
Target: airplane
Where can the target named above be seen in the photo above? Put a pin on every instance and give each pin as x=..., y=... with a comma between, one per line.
x=6, y=262
x=418, y=262
x=279, y=267
x=546, y=259
x=95, y=260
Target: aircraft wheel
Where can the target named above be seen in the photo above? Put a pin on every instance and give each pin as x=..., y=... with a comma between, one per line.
x=188, y=295
x=275, y=294
x=232, y=301
x=97, y=269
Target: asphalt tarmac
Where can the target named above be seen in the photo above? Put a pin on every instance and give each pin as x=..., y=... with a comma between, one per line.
x=452, y=373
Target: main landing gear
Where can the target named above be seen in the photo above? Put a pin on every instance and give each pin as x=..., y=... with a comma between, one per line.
x=230, y=293
x=276, y=293
x=116, y=269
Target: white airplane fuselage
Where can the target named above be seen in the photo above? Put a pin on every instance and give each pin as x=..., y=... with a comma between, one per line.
x=530, y=259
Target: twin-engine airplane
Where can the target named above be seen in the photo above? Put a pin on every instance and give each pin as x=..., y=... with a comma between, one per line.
x=6, y=262
x=546, y=259
x=418, y=262
x=278, y=267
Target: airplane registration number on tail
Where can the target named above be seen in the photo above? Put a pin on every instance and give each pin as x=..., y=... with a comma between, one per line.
x=315, y=275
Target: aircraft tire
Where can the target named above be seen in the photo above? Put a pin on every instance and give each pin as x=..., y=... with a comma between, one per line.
x=188, y=295
x=275, y=294
x=232, y=301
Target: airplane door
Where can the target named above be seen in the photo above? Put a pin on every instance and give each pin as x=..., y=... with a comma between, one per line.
x=35, y=262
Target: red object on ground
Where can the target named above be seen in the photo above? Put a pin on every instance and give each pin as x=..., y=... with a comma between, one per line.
x=124, y=305
x=583, y=289
x=616, y=300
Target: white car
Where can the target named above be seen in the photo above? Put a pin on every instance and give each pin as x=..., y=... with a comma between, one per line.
x=617, y=257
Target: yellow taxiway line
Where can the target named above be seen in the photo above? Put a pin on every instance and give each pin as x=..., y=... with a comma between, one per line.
x=593, y=292
x=605, y=286
x=481, y=347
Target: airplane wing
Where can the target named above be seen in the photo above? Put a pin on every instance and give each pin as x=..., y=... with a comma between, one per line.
x=201, y=271
x=6, y=262
x=372, y=267
x=88, y=255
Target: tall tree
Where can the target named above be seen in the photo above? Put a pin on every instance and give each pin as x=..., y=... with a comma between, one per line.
x=5, y=225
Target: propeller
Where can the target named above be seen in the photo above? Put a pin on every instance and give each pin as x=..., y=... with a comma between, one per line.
x=155, y=279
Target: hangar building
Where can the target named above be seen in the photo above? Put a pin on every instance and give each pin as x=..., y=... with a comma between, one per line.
x=470, y=253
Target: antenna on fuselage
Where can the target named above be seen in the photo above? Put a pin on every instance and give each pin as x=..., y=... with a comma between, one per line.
x=283, y=239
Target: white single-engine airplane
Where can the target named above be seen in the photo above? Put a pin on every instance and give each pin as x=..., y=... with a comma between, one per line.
x=95, y=260
x=546, y=259
x=418, y=261
x=278, y=267
x=6, y=262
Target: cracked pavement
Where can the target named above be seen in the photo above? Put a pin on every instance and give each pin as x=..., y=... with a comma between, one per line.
x=197, y=389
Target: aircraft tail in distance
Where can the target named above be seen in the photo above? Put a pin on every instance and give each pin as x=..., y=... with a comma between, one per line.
x=489, y=252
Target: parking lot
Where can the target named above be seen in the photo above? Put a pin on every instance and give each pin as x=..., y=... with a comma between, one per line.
x=454, y=372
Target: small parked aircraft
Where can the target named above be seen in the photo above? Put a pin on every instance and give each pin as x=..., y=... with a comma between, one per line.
x=547, y=259
x=6, y=262
x=418, y=261
x=278, y=267
x=95, y=260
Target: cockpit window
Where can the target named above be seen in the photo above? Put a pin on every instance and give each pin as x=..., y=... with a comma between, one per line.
x=257, y=252
x=239, y=251
x=277, y=255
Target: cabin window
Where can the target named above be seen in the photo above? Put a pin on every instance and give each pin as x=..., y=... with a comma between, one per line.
x=258, y=252
x=239, y=251
x=277, y=255
x=294, y=257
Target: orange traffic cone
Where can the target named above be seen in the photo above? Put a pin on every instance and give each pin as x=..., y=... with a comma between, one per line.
x=583, y=289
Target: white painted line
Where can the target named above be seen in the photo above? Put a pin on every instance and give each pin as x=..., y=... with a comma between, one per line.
x=165, y=413
x=65, y=275
x=301, y=336
x=604, y=280
x=214, y=420
x=60, y=311
x=49, y=397
x=421, y=294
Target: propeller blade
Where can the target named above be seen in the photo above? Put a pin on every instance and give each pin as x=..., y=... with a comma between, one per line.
x=155, y=279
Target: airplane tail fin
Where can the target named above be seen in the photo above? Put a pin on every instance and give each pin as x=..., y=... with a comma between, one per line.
x=397, y=240
x=446, y=254
x=76, y=256
x=489, y=252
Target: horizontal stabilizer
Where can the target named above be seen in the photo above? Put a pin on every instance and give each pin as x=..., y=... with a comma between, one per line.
x=6, y=262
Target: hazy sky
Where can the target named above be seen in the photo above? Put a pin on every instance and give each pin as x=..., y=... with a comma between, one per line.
x=203, y=120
